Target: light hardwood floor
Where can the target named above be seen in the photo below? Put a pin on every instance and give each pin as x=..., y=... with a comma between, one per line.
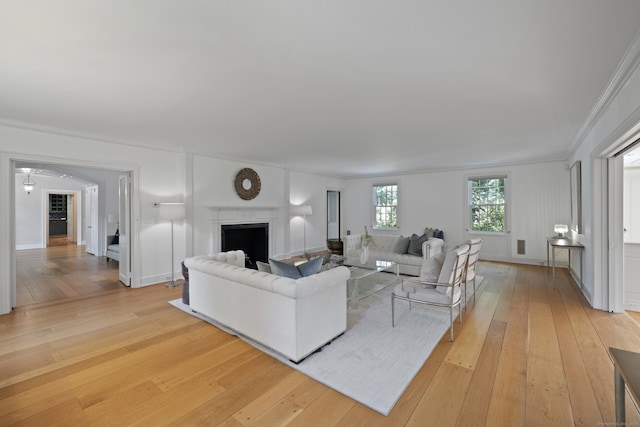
x=526, y=354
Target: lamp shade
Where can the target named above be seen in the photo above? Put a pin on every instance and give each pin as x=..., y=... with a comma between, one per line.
x=171, y=211
x=302, y=210
x=561, y=228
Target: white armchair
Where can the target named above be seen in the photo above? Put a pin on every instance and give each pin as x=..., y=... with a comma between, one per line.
x=444, y=292
x=472, y=264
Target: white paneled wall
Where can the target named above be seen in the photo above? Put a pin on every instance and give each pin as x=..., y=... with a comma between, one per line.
x=539, y=199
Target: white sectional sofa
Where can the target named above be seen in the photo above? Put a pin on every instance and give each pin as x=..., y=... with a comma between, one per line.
x=292, y=317
x=384, y=248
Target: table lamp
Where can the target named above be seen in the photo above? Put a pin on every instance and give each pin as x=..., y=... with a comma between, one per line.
x=561, y=229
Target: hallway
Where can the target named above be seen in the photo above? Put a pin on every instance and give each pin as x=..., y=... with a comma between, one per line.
x=62, y=271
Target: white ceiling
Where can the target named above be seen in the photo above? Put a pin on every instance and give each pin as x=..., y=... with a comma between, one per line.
x=343, y=88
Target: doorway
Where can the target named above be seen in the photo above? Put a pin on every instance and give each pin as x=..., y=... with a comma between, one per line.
x=62, y=217
x=334, y=243
x=608, y=202
x=107, y=177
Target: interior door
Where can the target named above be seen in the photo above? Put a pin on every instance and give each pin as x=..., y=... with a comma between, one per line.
x=92, y=235
x=71, y=215
x=124, y=202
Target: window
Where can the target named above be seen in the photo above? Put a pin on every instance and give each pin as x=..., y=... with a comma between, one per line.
x=487, y=203
x=385, y=205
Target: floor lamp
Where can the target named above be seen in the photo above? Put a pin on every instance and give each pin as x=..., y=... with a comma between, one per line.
x=303, y=211
x=172, y=211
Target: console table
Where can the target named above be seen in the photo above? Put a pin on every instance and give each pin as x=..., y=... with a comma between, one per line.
x=554, y=243
x=626, y=370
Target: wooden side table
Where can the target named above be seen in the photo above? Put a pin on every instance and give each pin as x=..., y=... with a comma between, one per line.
x=335, y=246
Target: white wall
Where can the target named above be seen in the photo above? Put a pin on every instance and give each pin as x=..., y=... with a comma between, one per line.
x=617, y=118
x=539, y=199
x=159, y=176
x=212, y=187
x=307, y=189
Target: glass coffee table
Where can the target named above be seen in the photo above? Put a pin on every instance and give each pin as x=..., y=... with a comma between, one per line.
x=357, y=288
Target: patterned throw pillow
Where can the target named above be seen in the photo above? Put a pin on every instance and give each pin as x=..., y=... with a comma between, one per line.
x=428, y=232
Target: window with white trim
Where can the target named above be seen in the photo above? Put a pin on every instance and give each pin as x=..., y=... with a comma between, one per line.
x=487, y=204
x=385, y=206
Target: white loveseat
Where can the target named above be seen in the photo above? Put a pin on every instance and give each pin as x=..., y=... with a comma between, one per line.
x=292, y=317
x=383, y=247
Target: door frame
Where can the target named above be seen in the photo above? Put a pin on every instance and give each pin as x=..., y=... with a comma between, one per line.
x=607, y=206
x=8, y=223
x=77, y=225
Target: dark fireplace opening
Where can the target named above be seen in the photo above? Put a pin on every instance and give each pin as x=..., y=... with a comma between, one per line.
x=253, y=239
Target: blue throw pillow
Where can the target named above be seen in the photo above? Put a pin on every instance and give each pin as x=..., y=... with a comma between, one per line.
x=116, y=238
x=310, y=267
x=439, y=234
x=415, y=244
x=283, y=269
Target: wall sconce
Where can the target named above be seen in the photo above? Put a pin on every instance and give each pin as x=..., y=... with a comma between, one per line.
x=561, y=229
x=28, y=184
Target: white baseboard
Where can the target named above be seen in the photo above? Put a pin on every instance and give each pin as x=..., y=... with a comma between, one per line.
x=159, y=278
x=26, y=247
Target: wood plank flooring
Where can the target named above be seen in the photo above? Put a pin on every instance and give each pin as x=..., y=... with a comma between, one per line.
x=525, y=355
x=63, y=270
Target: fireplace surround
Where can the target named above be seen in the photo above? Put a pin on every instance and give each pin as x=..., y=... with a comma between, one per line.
x=222, y=217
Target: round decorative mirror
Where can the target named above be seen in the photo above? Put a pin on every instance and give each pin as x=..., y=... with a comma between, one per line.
x=247, y=184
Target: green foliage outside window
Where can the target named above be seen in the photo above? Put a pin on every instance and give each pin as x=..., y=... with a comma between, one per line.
x=385, y=199
x=487, y=204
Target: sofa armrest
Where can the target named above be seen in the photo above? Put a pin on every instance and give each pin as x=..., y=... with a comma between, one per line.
x=352, y=242
x=432, y=247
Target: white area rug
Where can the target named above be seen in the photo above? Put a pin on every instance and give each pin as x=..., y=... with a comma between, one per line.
x=372, y=362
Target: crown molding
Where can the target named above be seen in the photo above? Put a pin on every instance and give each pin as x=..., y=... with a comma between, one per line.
x=621, y=76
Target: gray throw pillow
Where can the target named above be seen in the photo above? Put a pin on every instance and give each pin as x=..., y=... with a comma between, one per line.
x=415, y=244
x=263, y=266
x=310, y=267
x=283, y=269
x=401, y=245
